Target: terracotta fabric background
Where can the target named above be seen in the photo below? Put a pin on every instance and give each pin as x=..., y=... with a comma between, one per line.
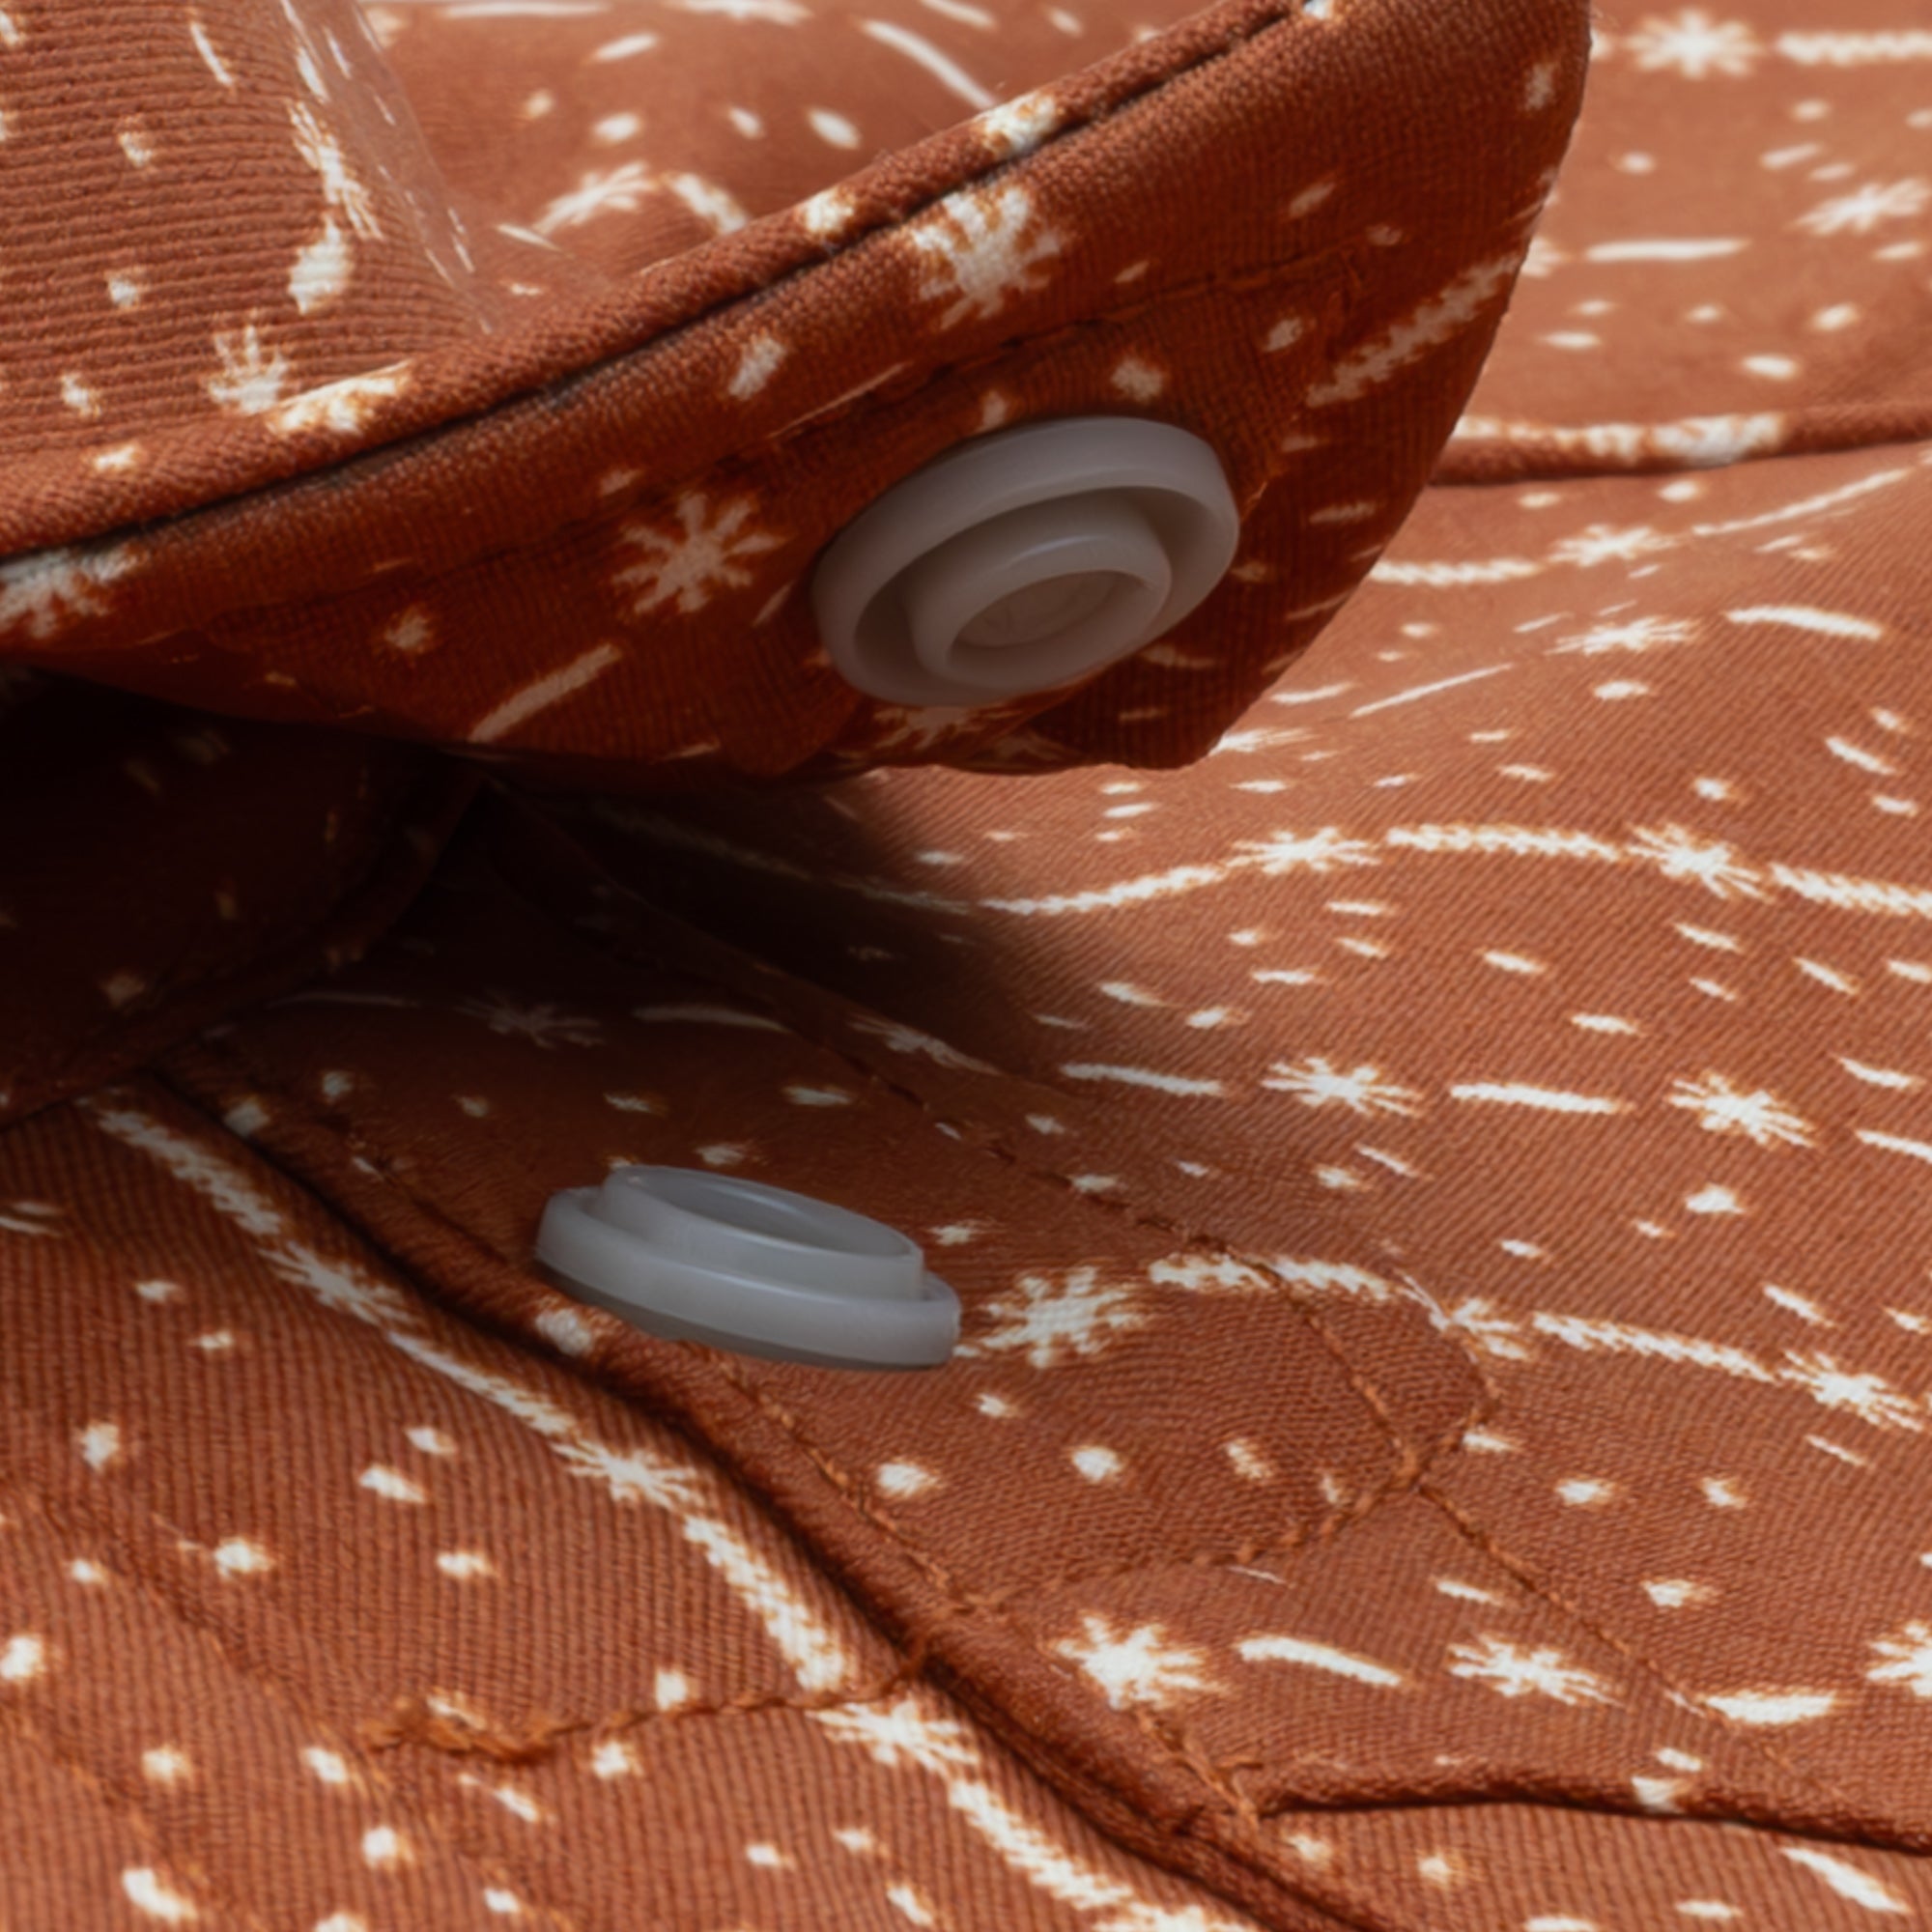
x=1436, y=1188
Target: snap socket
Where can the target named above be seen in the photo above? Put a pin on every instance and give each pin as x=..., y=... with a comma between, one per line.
x=705, y=1257
x=1025, y=560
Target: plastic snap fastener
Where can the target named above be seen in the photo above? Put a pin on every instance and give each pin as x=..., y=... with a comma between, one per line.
x=1025, y=560
x=704, y=1257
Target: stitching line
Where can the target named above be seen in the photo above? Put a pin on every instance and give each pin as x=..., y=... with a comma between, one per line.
x=139, y=1821
x=887, y=219
x=411, y=1721
x=427, y=1815
x=991, y=1141
x=1402, y=1474
x=1408, y=1461
x=1217, y=1780
x=428, y=797
x=1548, y=1592
x=654, y=492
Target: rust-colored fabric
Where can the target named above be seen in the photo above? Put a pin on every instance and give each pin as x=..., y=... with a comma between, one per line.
x=1735, y=264
x=1435, y=1188
x=463, y=1643
x=159, y=867
x=1564, y=1122
x=544, y=475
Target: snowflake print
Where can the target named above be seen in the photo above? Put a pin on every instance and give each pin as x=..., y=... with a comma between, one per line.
x=1320, y=852
x=704, y=554
x=923, y=1045
x=250, y=378
x=542, y=1024
x=343, y=407
x=340, y=188
x=1710, y=863
x=1861, y=211
x=637, y=1476
x=1869, y=1397
x=1315, y=1083
x=43, y=593
x=1057, y=1318
x=1695, y=45
x=1138, y=1666
x=1725, y=1109
x=1638, y=634
x=1603, y=542
x=984, y=247
x=597, y=193
x=1207, y=1274
x=1908, y=1659
x=342, y=1286
x=1515, y=1670
x=902, y=1735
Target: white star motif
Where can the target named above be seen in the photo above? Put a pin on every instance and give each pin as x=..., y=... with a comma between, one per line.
x=1908, y=1659
x=1198, y=1274
x=1710, y=863
x=983, y=246
x=1515, y=1670
x=340, y=188
x=41, y=593
x=1725, y=1109
x=706, y=552
x=1058, y=1318
x=637, y=1476
x=1869, y=1397
x=902, y=1735
x=1638, y=634
x=1315, y=1083
x=1318, y=852
x=341, y=1284
x=1137, y=1666
x=1695, y=45
x=1603, y=542
x=542, y=1024
x=597, y=191
x=249, y=379
x=1861, y=211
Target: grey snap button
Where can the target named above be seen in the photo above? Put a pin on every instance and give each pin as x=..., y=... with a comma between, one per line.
x=704, y=1257
x=1025, y=560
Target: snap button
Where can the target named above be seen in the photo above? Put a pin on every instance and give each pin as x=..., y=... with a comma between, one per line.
x=1025, y=560
x=708, y=1258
